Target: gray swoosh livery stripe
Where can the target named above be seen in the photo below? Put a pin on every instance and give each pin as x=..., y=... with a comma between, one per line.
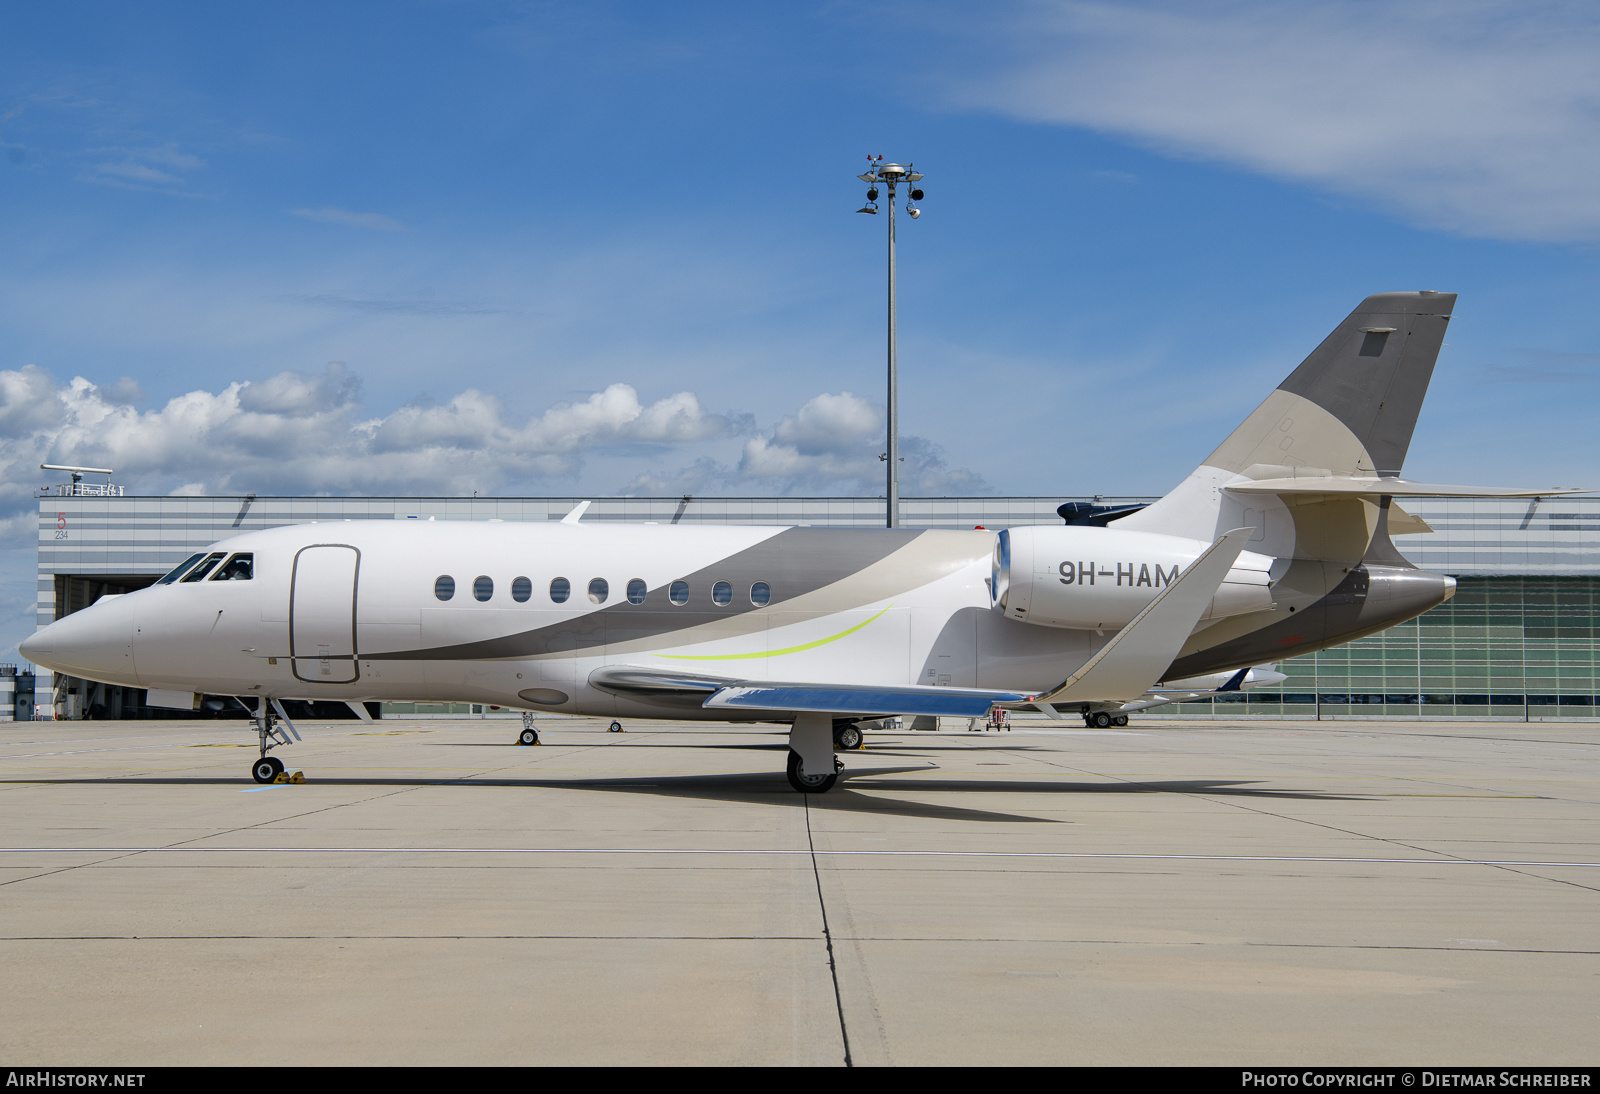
x=795, y=562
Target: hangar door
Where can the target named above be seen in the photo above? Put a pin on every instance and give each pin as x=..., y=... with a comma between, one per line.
x=322, y=613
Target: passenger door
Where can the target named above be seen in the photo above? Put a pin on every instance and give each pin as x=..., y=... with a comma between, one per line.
x=322, y=613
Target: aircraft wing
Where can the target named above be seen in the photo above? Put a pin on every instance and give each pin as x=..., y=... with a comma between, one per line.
x=736, y=693
x=907, y=699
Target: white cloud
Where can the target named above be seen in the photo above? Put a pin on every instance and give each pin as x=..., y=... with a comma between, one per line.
x=831, y=445
x=330, y=214
x=1481, y=118
x=300, y=433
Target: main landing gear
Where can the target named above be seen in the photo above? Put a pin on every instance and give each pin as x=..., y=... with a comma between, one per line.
x=848, y=737
x=1102, y=719
x=268, y=769
x=812, y=784
x=529, y=734
x=813, y=768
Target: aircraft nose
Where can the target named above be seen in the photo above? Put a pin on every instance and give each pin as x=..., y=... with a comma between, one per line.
x=95, y=644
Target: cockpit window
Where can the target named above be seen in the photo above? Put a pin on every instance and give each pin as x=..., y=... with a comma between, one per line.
x=200, y=571
x=238, y=568
x=177, y=571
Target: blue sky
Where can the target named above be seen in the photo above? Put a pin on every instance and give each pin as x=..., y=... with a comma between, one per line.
x=597, y=248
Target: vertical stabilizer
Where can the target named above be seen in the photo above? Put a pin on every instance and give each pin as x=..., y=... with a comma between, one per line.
x=1349, y=409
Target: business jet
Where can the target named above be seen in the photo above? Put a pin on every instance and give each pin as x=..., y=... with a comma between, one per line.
x=1278, y=544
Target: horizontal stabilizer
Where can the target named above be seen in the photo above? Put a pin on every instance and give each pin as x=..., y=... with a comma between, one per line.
x=1394, y=488
x=1139, y=653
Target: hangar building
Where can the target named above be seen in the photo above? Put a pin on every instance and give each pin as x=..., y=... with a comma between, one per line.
x=1518, y=640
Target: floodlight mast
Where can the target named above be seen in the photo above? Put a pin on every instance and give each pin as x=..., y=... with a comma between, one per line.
x=891, y=175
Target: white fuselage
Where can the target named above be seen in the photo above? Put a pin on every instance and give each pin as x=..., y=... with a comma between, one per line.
x=445, y=611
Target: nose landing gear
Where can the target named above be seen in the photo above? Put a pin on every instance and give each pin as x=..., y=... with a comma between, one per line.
x=267, y=769
x=529, y=734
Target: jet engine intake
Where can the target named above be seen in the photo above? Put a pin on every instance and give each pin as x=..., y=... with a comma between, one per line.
x=1099, y=578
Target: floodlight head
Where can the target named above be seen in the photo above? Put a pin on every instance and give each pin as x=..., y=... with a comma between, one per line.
x=868, y=209
x=872, y=194
x=916, y=195
x=914, y=211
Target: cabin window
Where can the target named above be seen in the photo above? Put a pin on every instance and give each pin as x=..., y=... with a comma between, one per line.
x=637, y=591
x=177, y=571
x=560, y=589
x=722, y=594
x=482, y=588
x=678, y=592
x=445, y=587
x=200, y=571
x=599, y=590
x=521, y=590
x=761, y=594
x=240, y=567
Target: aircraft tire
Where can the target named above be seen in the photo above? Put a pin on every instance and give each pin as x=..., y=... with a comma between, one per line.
x=810, y=784
x=849, y=738
x=266, y=769
x=528, y=737
x=1120, y=720
x=1102, y=720
x=616, y=727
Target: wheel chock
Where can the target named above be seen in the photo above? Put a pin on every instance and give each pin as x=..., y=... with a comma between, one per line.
x=285, y=777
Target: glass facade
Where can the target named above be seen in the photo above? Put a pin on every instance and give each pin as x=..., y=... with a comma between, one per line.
x=1509, y=646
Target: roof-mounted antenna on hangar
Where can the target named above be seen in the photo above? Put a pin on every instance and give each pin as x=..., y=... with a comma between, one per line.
x=77, y=488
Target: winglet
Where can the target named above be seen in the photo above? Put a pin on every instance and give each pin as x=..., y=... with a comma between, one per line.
x=1236, y=681
x=1139, y=653
x=577, y=513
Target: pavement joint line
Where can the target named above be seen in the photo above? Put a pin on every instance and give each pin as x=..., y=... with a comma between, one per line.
x=913, y=939
x=827, y=935
x=1441, y=860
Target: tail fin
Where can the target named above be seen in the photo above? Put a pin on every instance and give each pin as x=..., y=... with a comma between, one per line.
x=1349, y=409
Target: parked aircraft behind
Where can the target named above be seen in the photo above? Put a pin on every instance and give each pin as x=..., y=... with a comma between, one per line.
x=1278, y=544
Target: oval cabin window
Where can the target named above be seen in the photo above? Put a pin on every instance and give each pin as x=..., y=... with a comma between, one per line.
x=445, y=587
x=560, y=589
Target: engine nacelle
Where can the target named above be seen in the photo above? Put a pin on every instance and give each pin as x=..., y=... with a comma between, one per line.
x=1100, y=578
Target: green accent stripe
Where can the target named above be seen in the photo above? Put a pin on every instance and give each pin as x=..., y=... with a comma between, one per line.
x=769, y=653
